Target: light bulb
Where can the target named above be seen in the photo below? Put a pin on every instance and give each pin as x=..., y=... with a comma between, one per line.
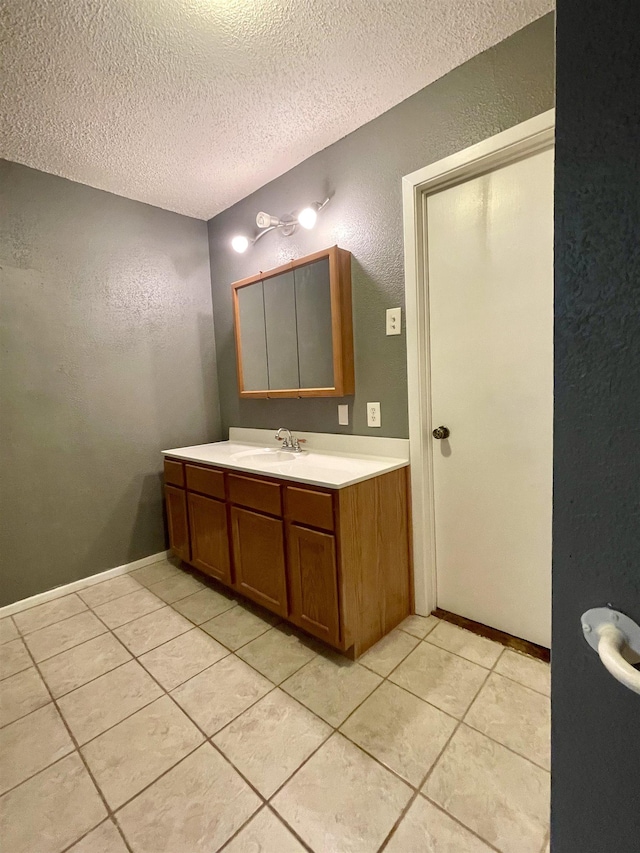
x=240, y=243
x=307, y=217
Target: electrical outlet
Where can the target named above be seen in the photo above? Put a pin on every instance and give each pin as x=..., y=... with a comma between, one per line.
x=373, y=414
x=343, y=415
x=394, y=321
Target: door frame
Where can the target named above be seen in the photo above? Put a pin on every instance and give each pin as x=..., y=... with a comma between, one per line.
x=530, y=136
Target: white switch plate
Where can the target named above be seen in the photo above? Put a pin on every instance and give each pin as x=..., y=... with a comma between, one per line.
x=343, y=415
x=394, y=321
x=373, y=414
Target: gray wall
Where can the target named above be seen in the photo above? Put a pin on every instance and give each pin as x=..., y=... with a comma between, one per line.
x=596, y=520
x=506, y=85
x=107, y=357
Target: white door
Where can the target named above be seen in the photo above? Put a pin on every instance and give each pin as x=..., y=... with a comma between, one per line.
x=489, y=254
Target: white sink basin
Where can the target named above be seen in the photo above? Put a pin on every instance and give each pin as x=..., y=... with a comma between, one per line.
x=266, y=456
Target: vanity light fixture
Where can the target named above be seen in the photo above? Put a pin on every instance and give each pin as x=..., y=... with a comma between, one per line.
x=306, y=218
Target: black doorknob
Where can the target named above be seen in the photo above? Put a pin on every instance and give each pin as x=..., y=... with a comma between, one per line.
x=441, y=432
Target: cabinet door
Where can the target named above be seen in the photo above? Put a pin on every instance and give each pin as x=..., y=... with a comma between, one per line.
x=314, y=325
x=258, y=551
x=177, y=522
x=209, y=537
x=313, y=581
x=282, y=336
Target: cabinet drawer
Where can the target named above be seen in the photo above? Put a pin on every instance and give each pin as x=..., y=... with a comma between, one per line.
x=173, y=472
x=207, y=481
x=255, y=494
x=307, y=506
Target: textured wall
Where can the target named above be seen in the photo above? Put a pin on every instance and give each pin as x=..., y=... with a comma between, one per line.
x=107, y=357
x=503, y=86
x=596, y=525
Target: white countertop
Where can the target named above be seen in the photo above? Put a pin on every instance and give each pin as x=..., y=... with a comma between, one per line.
x=333, y=469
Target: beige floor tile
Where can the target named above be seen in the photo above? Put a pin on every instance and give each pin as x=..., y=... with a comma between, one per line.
x=445, y=680
x=131, y=755
x=103, y=839
x=400, y=730
x=105, y=701
x=342, y=800
x=155, y=573
x=528, y=671
x=418, y=626
x=238, y=626
x=21, y=694
x=175, y=814
x=180, y=659
x=152, y=630
x=426, y=829
x=61, y=636
x=8, y=630
x=332, y=687
x=109, y=590
x=477, y=649
x=73, y=668
x=270, y=741
x=48, y=613
x=220, y=693
x=129, y=607
x=14, y=657
x=265, y=832
x=388, y=652
x=48, y=812
x=493, y=791
x=31, y=744
x=176, y=587
x=204, y=605
x=515, y=716
x=278, y=653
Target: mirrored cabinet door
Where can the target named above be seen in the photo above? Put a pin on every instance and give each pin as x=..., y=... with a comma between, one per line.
x=313, y=321
x=281, y=334
x=293, y=329
x=253, y=340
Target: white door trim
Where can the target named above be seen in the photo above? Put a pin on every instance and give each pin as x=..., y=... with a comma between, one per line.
x=513, y=144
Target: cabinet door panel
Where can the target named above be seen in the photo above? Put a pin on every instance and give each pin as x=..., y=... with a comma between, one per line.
x=258, y=551
x=314, y=582
x=282, y=336
x=209, y=537
x=177, y=522
x=314, y=325
x=253, y=339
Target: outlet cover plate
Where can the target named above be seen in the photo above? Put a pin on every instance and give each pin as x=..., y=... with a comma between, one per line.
x=373, y=414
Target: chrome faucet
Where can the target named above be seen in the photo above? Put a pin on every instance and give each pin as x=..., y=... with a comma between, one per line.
x=290, y=442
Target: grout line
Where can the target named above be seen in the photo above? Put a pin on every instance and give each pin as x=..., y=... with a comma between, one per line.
x=209, y=739
x=77, y=750
x=460, y=823
x=85, y=609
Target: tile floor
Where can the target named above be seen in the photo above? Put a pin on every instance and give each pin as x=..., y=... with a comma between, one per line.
x=155, y=712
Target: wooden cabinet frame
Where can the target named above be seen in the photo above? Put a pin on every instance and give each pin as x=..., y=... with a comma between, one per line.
x=341, y=326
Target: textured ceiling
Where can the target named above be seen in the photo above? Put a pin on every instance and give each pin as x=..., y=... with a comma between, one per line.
x=191, y=105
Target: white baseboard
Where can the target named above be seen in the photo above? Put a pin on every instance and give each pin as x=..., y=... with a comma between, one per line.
x=59, y=591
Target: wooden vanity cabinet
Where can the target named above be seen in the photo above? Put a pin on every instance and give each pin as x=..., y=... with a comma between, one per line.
x=334, y=562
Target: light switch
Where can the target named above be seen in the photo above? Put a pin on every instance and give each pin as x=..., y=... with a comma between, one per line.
x=394, y=321
x=373, y=414
x=343, y=415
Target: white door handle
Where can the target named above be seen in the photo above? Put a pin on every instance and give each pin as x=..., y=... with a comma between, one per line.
x=616, y=638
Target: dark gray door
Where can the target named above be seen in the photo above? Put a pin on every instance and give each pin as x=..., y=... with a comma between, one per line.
x=596, y=528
